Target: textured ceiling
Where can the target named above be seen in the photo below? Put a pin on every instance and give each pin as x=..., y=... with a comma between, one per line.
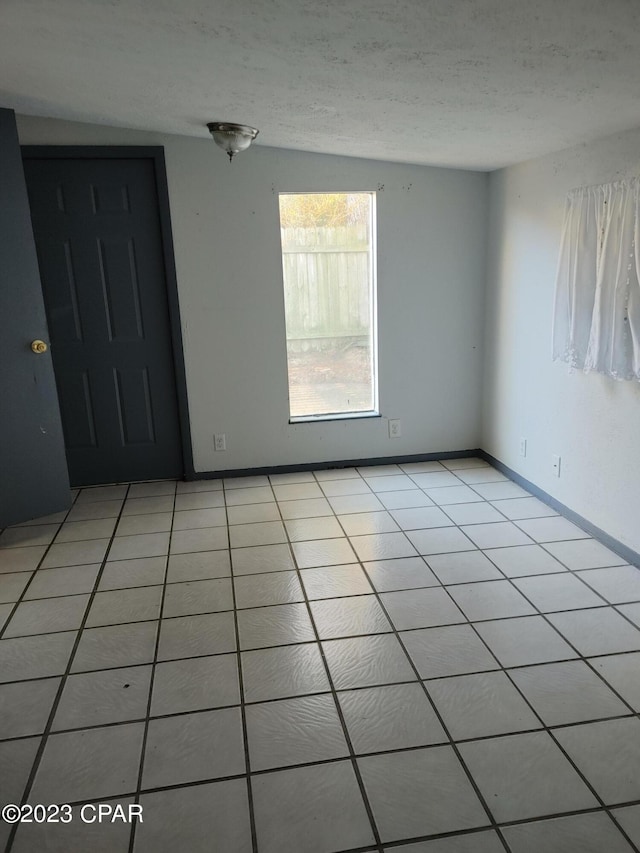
x=475, y=84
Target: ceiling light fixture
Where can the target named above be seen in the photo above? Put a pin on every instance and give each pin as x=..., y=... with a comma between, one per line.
x=232, y=137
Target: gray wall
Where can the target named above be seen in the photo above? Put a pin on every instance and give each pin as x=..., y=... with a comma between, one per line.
x=431, y=243
x=591, y=421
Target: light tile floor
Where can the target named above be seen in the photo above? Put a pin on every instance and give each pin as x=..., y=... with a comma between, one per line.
x=421, y=658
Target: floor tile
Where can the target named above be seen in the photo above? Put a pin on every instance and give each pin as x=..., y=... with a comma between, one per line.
x=481, y=474
x=189, y=818
x=152, y=490
x=12, y=585
x=77, y=531
x=140, y=545
x=47, y=615
x=629, y=818
x=98, y=698
x=403, y=573
x=524, y=776
x=198, y=566
x=54, y=518
x=622, y=672
x=454, y=495
x=631, y=612
x=237, y=497
x=367, y=662
x=291, y=477
x=399, y=784
x=524, y=560
x=89, y=765
x=379, y=470
x=262, y=558
x=249, y=482
x=198, y=683
x=97, y=509
x=56, y=582
x=420, y=467
x=554, y=529
x=21, y=537
x=608, y=753
x=335, y=581
x=383, y=546
x=388, y=718
x=5, y=611
x=420, y=518
x=279, y=625
x=193, y=747
x=124, y=574
x=125, y=605
x=463, y=567
x=115, y=646
x=405, y=499
x=616, y=585
x=349, y=617
x=500, y=534
x=567, y=693
x=390, y=483
x=142, y=506
x=516, y=508
x=599, y=631
x=481, y=705
x=259, y=533
x=294, y=731
x=339, y=488
x=363, y=523
x=151, y=522
x=297, y=491
x=344, y=504
x=305, y=529
x=267, y=589
x=500, y=491
x=519, y=642
x=473, y=513
x=35, y=657
x=201, y=539
x=435, y=479
x=584, y=554
x=249, y=513
x=490, y=600
x=323, y=552
x=484, y=841
x=196, y=636
x=323, y=474
x=76, y=553
x=25, y=707
x=316, y=809
x=311, y=508
x=282, y=672
x=21, y=559
x=440, y=540
x=588, y=833
x=200, y=500
x=102, y=493
x=16, y=758
x=421, y=608
x=452, y=650
x=193, y=486
x=191, y=597
x=551, y=593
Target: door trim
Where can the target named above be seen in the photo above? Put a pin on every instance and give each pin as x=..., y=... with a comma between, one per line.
x=155, y=153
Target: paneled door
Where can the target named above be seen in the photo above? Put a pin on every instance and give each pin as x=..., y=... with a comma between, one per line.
x=99, y=243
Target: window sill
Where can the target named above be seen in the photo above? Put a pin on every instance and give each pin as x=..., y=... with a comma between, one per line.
x=346, y=416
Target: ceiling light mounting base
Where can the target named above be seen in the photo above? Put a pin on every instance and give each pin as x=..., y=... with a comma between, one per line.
x=232, y=137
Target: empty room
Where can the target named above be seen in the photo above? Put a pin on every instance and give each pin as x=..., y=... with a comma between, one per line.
x=320, y=471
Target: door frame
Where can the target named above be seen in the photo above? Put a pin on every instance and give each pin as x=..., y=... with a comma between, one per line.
x=154, y=153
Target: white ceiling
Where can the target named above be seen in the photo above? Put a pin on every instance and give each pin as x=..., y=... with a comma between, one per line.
x=474, y=84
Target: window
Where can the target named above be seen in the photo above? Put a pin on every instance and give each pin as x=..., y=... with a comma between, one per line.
x=328, y=263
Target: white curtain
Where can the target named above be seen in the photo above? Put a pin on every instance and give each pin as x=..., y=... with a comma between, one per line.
x=597, y=306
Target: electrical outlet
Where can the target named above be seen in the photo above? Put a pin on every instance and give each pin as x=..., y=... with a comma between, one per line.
x=220, y=441
x=523, y=447
x=395, y=429
x=555, y=462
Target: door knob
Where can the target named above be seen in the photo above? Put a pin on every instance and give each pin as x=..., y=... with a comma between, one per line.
x=39, y=347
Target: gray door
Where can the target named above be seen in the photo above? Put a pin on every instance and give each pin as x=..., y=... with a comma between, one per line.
x=33, y=468
x=99, y=244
